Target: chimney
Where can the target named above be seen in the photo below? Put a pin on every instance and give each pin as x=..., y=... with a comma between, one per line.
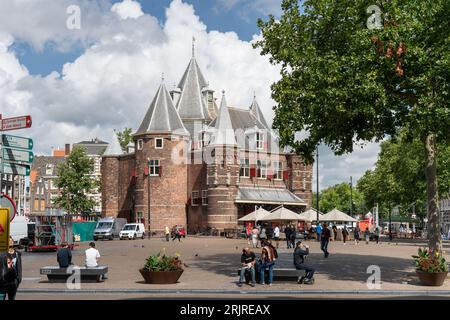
x=67, y=149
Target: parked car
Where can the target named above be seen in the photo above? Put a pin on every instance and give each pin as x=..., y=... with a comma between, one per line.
x=108, y=228
x=132, y=231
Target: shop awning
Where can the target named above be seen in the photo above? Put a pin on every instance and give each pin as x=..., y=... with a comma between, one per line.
x=268, y=196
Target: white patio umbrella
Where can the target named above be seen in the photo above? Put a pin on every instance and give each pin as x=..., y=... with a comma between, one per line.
x=310, y=215
x=257, y=215
x=337, y=216
x=282, y=214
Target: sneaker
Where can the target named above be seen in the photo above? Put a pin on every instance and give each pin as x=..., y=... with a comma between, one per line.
x=270, y=284
x=309, y=281
x=300, y=280
x=239, y=284
x=252, y=284
x=262, y=283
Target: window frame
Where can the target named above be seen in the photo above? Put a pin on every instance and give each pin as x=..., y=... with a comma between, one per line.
x=204, y=197
x=244, y=168
x=155, y=166
x=259, y=142
x=156, y=143
x=140, y=144
x=260, y=169
x=194, y=199
x=277, y=170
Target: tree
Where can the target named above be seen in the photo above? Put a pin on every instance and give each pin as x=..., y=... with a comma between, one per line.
x=347, y=81
x=338, y=196
x=398, y=177
x=75, y=182
x=124, y=137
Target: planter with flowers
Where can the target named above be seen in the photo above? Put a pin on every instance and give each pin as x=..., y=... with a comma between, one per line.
x=431, y=268
x=162, y=269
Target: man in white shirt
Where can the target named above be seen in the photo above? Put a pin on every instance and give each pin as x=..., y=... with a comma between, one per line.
x=92, y=256
x=276, y=235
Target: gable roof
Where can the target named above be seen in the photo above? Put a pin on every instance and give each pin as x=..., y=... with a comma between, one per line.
x=162, y=116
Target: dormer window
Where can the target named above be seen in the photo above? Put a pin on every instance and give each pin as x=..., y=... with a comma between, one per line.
x=140, y=144
x=259, y=141
x=159, y=143
x=48, y=169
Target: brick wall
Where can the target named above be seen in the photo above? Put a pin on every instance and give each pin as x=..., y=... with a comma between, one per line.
x=110, y=186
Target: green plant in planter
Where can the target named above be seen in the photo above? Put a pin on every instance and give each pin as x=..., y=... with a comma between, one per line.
x=431, y=264
x=158, y=262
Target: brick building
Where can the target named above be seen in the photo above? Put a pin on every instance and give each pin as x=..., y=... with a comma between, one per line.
x=198, y=165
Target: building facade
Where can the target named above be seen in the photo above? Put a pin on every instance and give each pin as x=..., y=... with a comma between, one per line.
x=199, y=165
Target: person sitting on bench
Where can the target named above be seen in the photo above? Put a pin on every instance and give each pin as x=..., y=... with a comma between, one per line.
x=64, y=256
x=92, y=257
x=300, y=253
x=248, y=260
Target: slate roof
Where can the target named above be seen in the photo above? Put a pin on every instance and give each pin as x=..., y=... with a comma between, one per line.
x=224, y=132
x=162, y=116
x=93, y=147
x=254, y=107
x=114, y=148
x=268, y=196
x=191, y=104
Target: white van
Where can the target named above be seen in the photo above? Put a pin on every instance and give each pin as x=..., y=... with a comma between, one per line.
x=19, y=230
x=132, y=231
x=108, y=228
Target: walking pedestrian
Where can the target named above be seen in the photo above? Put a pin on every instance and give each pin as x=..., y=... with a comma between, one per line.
x=318, y=231
x=255, y=235
x=356, y=234
x=377, y=234
x=263, y=234
x=248, y=233
x=300, y=254
x=335, y=231
x=176, y=234
x=344, y=234
x=367, y=235
x=293, y=236
x=9, y=277
x=287, y=234
x=276, y=235
x=167, y=233
x=325, y=239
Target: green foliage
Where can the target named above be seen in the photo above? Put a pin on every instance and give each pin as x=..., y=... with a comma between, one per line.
x=75, y=182
x=158, y=262
x=399, y=178
x=338, y=196
x=427, y=262
x=124, y=137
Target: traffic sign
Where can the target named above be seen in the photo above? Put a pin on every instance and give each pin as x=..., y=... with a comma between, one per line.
x=7, y=202
x=14, y=155
x=17, y=142
x=4, y=229
x=15, y=123
x=17, y=169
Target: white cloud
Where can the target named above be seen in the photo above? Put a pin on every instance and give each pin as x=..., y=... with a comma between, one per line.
x=111, y=84
x=128, y=9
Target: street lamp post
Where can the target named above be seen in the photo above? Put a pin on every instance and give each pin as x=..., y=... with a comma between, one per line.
x=148, y=199
x=317, y=183
x=351, y=196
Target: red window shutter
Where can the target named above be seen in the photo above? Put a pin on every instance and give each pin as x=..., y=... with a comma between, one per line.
x=285, y=175
x=252, y=172
x=133, y=173
x=160, y=171
x=146, y=171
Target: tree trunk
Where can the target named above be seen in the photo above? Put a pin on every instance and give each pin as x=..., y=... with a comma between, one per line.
x=434, y=232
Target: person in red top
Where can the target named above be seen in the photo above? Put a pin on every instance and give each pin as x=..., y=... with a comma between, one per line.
x=325, y=239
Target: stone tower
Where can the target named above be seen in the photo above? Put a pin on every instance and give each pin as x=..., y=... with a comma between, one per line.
x=161, y=171
x=222, y=173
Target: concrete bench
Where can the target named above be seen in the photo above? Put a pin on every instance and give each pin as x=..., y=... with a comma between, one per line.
x=279, y=274
x=57, y=274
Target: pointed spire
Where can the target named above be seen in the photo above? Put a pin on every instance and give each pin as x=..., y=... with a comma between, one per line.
x=114, y=148
x=162, y=116
x=256, y=111
x=224, y=132
x=193, y=46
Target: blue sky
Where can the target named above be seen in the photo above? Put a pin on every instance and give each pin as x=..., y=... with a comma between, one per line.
x=222, y=15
